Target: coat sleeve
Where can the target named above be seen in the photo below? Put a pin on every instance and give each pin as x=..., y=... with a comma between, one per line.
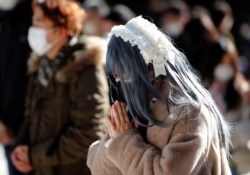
x=23, y=135
x=97, y=160
x=90, y=103
x=184, y=153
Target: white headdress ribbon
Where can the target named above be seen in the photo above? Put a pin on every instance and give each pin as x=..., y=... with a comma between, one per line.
x=153, y=44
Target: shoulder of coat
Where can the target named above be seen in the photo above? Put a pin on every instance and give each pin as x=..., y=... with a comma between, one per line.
x=93, y=53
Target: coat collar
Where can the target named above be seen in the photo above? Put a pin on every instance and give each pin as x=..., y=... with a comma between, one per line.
x=93, y=53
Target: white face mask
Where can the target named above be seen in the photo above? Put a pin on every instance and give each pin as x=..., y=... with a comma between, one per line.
x=7, y=4
x=90, y=28
x=223, y=72
x=174, y=29
x=38, y=42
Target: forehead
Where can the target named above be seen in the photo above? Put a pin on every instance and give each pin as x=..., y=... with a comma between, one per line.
x=40, y=18
x=38, y=13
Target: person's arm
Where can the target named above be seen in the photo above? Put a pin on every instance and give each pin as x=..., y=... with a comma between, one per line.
x=129, y=154
x=126, y=150
x=90, y=104
x=23, y=134
x=98, y=162
x=184, y=154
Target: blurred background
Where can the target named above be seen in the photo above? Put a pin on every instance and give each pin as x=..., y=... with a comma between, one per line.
x=214, y=34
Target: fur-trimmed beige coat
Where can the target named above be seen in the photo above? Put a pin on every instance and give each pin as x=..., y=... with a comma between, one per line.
x=187, y=147
x=65, y=117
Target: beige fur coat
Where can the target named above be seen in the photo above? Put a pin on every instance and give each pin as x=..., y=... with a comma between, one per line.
x=187, y=147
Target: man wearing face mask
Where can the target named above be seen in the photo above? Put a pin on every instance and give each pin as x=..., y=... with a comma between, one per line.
x=15, y=19
x=67, y=95
x=174, y=19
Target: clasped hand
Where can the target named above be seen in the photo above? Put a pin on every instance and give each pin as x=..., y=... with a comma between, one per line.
x=20, y=158
x=118, y=122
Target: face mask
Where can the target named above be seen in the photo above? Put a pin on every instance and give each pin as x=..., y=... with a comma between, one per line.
x=223, y=72
x=174, y=29
x=90, y=28
x=116, y=91
x=38, y=42
x=121, y=93
x=7, y=4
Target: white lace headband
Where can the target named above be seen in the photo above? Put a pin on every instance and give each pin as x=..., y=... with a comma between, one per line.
x=153, y=44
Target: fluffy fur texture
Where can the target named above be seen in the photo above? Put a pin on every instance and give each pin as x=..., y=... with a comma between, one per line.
x=93, y=53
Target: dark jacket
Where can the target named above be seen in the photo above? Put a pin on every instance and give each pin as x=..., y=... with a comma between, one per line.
x=14, y=51
x=63, y=118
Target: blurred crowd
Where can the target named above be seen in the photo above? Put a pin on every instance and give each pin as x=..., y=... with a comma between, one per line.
x=56, y=85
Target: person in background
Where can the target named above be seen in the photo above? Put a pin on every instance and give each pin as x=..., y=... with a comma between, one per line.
x=223, y=88
x=164, y=121
x=67, y=94
x=95, y=10
x=226, y=89
x=118, y=14
x=230, y=91
x=222, y=17
x=15, y=19
x=201, y=44
x=174, y=19
x=244, y=51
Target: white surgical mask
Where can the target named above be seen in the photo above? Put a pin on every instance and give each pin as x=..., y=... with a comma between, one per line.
x=223, y=72
x=7, y=4
x=90, y=28
x=38, y=42
x=174, y=29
